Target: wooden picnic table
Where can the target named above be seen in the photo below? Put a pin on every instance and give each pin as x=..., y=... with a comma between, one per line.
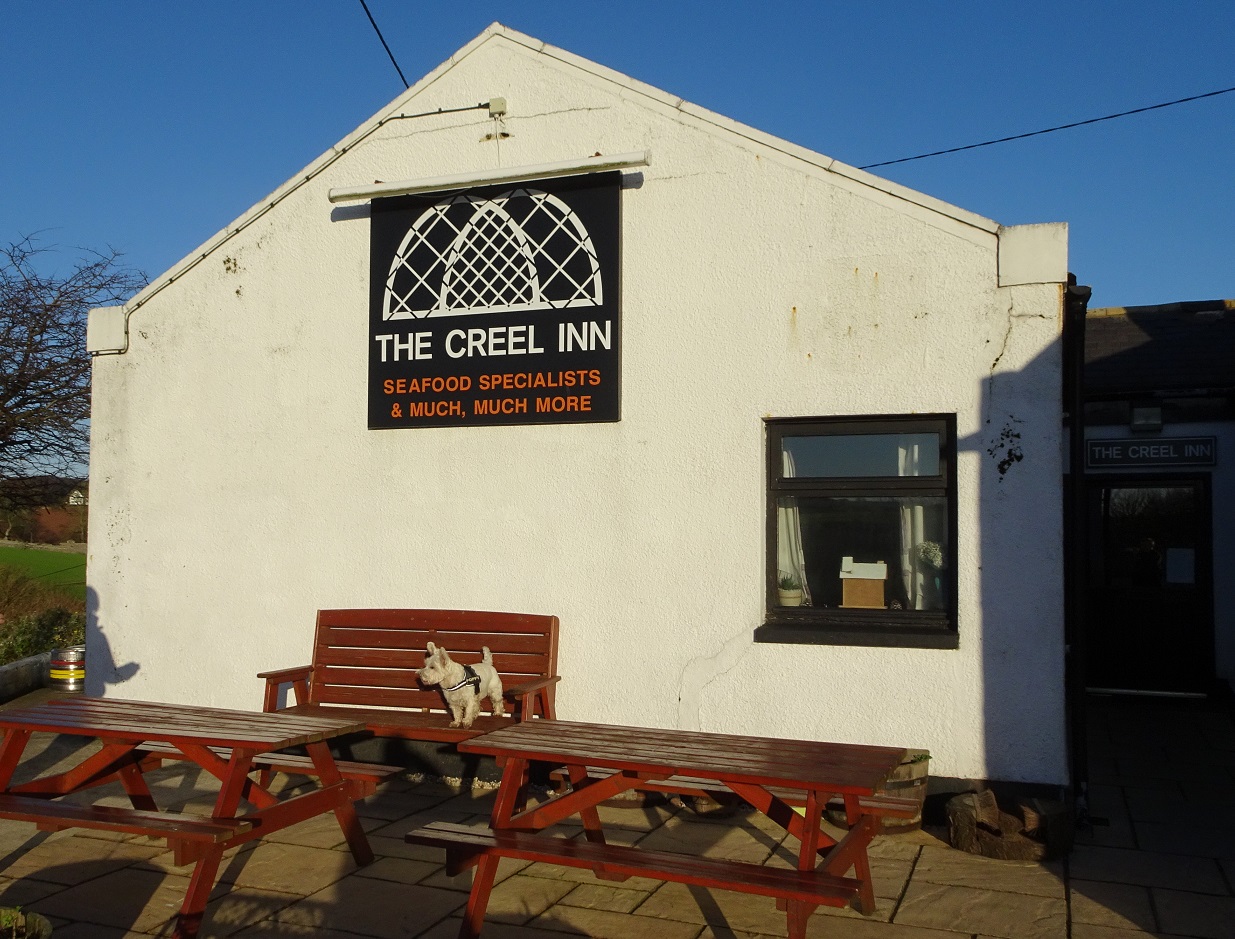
x=757, y=769
x=137, y=736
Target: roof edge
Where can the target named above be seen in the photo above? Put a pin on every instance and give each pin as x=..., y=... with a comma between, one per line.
x=1185, y=306
x=763, y=138
x=312, y=169
x=497, y=30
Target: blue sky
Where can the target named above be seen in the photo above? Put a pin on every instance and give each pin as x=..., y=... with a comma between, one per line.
x=148, y=126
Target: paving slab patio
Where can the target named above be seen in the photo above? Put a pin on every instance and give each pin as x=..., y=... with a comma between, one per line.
x=1158, y=863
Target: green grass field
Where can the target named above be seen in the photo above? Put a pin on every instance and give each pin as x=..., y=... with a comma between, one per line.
x=63, y=570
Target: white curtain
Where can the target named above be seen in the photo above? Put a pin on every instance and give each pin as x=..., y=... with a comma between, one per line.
x=790, y=558
x=913, y=524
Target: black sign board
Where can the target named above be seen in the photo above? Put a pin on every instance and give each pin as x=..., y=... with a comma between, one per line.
x=496, y=305
x=1156, y=451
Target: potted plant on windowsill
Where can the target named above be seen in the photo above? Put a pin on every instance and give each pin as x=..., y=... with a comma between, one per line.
x=930, y=563
x=15, y=923
x=788, y=590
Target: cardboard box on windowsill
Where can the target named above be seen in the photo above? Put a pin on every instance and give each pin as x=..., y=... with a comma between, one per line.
x=862, y=584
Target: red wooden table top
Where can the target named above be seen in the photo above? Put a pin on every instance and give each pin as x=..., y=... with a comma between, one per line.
x=142, y=721
x=770, y=761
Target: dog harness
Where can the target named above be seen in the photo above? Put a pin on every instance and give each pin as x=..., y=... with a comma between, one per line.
x=472, y=679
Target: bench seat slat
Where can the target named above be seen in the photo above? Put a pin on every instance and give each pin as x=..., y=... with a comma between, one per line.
x=415, y=641
x=890, y=806
x=463, y=621
x=288, y=763
x=403, y=664
x=46, y=813
x=359, y=680
x=413, y=698
x=786, y=883
x=367, y=687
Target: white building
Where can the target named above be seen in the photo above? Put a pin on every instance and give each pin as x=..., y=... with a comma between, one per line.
x=783, y=367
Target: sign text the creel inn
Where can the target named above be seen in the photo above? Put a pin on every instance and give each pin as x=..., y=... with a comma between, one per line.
x=496, y=305
x=1159, y=451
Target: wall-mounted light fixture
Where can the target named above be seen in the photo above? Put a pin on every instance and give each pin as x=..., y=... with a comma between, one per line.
x=1145, y=417
x=513, y=174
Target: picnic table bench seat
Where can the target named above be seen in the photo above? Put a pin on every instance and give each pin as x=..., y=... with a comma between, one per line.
x=465, y=845
x=881, y=805
x=367, y=775
x=365, y=662
x=52, y=816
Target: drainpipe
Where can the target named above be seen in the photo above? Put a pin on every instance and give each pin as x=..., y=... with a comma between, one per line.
x=1076, y=301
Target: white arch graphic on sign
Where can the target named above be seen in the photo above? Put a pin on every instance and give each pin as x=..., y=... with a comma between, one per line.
x=521, y=250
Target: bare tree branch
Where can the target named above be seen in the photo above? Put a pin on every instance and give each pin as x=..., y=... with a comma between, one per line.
x=44, y=367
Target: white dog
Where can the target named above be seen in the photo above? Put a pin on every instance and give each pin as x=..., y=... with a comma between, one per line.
x=463, y=685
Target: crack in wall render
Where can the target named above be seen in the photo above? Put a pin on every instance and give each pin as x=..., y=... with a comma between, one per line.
x=698, y=673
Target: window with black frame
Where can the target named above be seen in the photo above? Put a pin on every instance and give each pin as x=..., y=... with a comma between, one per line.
x=861, y=522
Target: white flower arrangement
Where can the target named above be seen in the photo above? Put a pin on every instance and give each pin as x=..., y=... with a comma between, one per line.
x=930, y=554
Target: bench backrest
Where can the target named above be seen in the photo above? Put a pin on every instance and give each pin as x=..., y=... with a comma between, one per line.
x=370, y=657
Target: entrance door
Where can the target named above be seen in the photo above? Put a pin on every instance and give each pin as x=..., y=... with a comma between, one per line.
x=1149, y=573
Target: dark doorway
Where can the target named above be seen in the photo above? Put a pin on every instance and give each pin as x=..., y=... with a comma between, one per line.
x=1150, y=584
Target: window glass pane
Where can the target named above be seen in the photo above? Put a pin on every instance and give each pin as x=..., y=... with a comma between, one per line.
x=856, y=455
x=864, y=552
x=1149, y=533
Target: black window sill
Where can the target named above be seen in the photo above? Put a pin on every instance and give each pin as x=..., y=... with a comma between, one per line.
x=878, y=629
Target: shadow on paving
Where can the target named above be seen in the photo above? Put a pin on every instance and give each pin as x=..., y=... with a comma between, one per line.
x=1162, y=864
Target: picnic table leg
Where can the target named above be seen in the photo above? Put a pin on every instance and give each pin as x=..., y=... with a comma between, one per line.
x=592, y=829
x=345, y=812
x=591, y=818
x=189, y=919
x=798, y=911
x=863, y=827
x=798, y=915
x=478, y=899
x=509, y=794
x=135, y=787
x=11, y=749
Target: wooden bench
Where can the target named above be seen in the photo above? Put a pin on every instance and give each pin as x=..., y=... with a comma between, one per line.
x=465, y=845
x=364, y=668
x=883, y=806
x=53, y=816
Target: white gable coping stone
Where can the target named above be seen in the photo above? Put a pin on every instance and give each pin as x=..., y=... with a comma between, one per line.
x=1033, y=254
x=107, y=330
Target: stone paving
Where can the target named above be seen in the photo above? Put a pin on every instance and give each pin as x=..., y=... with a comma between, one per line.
x=1158, y=861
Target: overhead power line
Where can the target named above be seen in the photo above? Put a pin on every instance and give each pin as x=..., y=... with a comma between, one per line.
x=384, y=46
x=1050, y=130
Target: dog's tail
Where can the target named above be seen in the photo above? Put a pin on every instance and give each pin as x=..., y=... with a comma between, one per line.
x=486, y=656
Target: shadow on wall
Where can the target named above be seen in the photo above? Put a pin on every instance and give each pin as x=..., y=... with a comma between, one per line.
x=1022, y=628
x=101, y=667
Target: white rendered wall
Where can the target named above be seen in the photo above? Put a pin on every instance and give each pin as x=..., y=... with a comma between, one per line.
x=235, y=488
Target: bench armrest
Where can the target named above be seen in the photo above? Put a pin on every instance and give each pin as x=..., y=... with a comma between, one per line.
x=526, y=687
x=297, y=676
x=527, y=692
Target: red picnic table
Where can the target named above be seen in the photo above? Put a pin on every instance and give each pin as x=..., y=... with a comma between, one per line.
x=602, y=761
x=138, y=736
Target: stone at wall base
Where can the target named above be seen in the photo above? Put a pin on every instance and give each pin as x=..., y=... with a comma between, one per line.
x=1041, y=830
x=23, y=676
